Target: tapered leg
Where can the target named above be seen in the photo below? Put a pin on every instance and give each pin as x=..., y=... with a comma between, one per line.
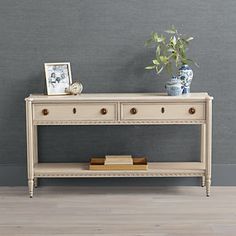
x=30, y=146
x=35, y=135
x=208, y=145
x=203, y=152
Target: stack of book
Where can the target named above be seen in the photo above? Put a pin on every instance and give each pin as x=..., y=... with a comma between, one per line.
x=118, y=162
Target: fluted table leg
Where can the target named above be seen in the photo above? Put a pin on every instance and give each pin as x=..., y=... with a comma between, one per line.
x=203, y=152
x=208, y=145
x=30, y=146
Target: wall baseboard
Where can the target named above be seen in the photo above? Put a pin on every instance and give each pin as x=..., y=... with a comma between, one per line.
x=223, y=175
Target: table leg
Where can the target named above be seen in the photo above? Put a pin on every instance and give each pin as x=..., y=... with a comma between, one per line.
x=35, y=134
x=203, y=151
x=30, y=146
x=208, y=145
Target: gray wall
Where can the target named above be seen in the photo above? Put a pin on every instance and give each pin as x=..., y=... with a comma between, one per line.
x=104, y=41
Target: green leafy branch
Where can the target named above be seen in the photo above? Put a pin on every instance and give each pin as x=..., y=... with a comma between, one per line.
x=170, y=51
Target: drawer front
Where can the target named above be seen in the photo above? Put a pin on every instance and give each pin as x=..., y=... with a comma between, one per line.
x=78, y=111
x=155, y=111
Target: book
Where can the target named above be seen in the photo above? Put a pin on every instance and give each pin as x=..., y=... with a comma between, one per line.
x=118, y=160
x=98, y=163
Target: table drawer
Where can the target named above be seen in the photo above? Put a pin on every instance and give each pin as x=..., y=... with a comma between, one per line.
x=156, y=111
x=77, y=111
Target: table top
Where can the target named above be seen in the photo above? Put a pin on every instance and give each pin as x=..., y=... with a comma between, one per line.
x=119, y=97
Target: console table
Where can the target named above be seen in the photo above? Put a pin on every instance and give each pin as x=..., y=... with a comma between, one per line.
x=119, y=109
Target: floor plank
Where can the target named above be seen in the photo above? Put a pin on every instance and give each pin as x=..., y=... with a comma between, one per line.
x=147, y=211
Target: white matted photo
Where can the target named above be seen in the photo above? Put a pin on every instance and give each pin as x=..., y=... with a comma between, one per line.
x=58, y=77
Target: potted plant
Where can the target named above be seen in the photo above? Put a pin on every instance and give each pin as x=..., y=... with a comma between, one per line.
x=171, y=55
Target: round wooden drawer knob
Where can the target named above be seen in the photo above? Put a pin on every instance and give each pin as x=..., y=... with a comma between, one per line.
x=192, y=110
x=45, y=112
x=104, y=111
x=133, y=111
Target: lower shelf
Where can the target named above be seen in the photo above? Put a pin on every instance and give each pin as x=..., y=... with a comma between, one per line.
x=155, y=169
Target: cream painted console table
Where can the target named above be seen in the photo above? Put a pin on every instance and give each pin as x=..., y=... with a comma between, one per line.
x=119, y=109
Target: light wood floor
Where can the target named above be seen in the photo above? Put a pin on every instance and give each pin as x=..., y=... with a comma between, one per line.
x=118, y=211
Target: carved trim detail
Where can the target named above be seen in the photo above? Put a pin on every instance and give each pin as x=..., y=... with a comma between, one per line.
x=122, y=122
x=194, y=174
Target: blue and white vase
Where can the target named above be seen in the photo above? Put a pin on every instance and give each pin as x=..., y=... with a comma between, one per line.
x=174, y=86
x=186, y=76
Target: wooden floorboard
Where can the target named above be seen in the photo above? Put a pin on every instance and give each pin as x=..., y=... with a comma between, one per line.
x=147, y=211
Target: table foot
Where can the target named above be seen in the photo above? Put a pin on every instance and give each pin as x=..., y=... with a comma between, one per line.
x=31, y=187
x=35, y=182
x=203, y=181
x=208, y=186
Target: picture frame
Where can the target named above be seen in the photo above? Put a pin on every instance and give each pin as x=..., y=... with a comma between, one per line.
x=58, y=77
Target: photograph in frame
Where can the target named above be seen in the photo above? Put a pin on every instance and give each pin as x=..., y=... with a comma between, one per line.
x=58, y=77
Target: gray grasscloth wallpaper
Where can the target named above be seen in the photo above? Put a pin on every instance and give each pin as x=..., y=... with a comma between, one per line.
x=104, y=41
